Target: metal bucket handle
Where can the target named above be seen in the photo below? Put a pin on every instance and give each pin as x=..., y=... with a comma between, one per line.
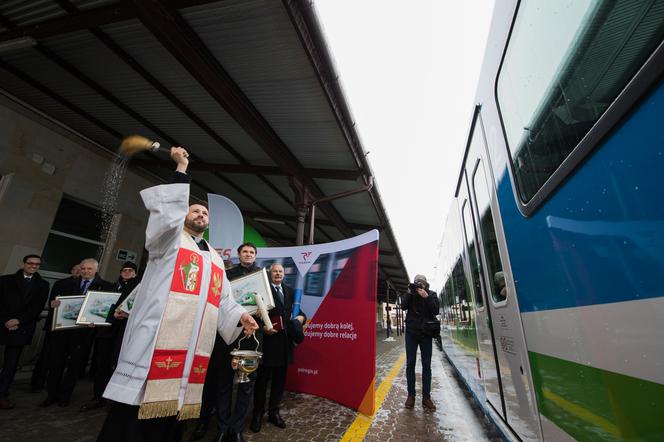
x=244, y=337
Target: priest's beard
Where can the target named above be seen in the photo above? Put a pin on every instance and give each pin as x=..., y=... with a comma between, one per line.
x=195, y=227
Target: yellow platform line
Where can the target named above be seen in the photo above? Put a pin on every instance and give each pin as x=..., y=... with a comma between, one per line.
x=362, y=422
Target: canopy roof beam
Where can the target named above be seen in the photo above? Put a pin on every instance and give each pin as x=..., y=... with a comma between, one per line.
x=183, y=43
x=81, y=20
x=346, y=175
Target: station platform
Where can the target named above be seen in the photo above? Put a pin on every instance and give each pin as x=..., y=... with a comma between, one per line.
x=309, y=418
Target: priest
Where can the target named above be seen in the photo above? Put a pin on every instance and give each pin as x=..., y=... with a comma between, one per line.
x=183, y=301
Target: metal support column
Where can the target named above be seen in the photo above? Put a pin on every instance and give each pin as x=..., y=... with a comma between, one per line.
x=301, y=205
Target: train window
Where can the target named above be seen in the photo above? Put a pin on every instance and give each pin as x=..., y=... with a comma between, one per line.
x=446, y=299
x=443, y=305
x=450, y=302
x=488, y=234
x=462, y=289
x=565, y=64
x=475, y=268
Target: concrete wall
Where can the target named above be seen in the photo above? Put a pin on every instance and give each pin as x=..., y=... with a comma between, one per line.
x=40, y=161
x=38, y=166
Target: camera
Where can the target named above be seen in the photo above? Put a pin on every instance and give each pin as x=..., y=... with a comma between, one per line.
x=414, y=286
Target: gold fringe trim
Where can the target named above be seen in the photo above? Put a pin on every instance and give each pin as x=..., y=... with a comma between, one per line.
x=151, y=410
x=189, y=411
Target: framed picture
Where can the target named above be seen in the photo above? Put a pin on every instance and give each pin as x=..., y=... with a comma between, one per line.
x=246, y=288
x=96, y=307
x=64, y=315
x=128, y=303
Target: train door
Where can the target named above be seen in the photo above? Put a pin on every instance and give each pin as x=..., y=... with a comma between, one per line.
x=490, y=372
x=511, y=355
x=488, y=357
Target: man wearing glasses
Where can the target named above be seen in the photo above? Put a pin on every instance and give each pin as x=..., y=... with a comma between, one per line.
x=22, y=298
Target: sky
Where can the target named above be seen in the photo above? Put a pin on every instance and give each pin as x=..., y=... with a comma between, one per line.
x=409, y=71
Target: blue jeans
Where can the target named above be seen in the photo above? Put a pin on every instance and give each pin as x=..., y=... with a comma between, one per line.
x=412, y=342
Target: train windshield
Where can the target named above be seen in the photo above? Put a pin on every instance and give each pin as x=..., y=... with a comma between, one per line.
x=565, y=64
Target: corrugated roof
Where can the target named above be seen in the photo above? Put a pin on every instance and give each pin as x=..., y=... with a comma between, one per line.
x=240, y=83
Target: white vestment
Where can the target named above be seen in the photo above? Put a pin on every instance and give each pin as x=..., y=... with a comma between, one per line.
x=168, y=205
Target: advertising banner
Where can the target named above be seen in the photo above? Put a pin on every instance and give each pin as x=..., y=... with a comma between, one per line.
x=226, y=230
x=337, y=284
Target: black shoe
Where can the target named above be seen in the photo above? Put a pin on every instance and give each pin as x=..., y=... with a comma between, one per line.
x=256, y=422
x=201, y=430
x=48, y=401
x=232, y=436
x=220, y=437
x=93, y=405
x=275, y=419
x=63, y=403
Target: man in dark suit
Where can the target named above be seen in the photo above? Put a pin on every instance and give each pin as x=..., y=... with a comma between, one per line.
x=105, y=354
x=39, y=372
x=218, y=389
x=67, y=346
x=22, y=298
x=278, y=345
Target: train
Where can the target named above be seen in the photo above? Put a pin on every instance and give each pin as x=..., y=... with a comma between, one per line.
x=552, y=259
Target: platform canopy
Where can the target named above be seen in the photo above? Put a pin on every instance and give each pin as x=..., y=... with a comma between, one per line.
x=248, y=86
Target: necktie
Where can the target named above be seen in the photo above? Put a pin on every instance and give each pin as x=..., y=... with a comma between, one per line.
x=84, y=286
x=26, y=284
x=279, y=293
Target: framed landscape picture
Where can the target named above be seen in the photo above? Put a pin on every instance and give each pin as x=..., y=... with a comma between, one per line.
x=96, y=307
x=64, y=315
x=246, y=288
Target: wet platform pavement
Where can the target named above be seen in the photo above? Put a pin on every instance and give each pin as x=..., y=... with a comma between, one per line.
x=309, y=418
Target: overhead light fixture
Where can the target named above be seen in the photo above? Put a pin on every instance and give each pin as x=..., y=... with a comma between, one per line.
x=17, y=44
x=269, y=221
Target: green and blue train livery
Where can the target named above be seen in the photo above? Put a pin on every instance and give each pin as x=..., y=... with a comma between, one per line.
x=553, y=254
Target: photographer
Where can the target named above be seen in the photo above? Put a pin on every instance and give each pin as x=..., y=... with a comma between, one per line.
x=421, y=327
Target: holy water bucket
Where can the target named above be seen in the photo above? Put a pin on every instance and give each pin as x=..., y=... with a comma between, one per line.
x=245, y=362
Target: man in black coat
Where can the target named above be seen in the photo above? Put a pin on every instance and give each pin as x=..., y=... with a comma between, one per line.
x=422, y=306
x=39, y=372
x=127, y=282
x=68, y=347
x=22, y=298
x=218, y=389
x=278, y=345
x=105, y=352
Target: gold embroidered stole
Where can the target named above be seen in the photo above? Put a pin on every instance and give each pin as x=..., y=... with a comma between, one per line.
x=174, y=334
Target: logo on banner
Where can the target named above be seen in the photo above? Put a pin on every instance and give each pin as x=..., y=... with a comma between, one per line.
x=304, y=260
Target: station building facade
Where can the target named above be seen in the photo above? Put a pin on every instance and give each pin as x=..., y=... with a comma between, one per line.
x=51, y=198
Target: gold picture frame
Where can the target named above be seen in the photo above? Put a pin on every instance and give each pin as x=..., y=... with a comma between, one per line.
x=65, y=315
x=96, y=307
